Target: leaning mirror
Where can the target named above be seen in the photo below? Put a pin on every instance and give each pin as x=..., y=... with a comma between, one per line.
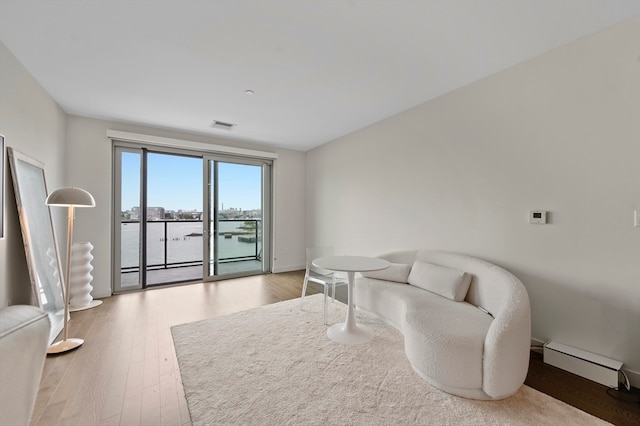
x=37, y=233
x=1, y=186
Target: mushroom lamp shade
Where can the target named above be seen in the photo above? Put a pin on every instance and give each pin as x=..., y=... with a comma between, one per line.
x=71, y=196
x=68, y=197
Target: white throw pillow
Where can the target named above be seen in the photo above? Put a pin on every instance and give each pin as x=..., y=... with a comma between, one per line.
x=446, y=282
x=398, y=272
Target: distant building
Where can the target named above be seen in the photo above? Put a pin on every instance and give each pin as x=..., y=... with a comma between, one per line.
x=155, y=213
x=159, y=213
x=187, y=215
x=235, y=213
x=134, y=213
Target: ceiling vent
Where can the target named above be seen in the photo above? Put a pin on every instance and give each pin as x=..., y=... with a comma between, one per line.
x=222, y=125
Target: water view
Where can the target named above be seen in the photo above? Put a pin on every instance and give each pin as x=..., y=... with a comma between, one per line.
x=183, y=239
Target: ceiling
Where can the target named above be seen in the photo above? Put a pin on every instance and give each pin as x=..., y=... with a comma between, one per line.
x=318, y=69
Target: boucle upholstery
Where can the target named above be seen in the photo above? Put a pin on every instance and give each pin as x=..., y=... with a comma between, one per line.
x=455, y=346
x=446, y=282
x=24, y=335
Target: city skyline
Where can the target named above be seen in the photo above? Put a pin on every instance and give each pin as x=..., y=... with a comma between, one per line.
x=155, y=213
x=230, y=209
x=175, y=183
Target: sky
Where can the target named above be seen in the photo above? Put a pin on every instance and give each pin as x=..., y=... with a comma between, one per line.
x=175, y=183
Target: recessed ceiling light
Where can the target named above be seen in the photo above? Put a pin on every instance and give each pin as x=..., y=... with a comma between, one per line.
x=249, y=92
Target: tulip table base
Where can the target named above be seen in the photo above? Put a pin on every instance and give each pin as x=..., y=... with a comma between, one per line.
x=355, y=335
x=349, y=332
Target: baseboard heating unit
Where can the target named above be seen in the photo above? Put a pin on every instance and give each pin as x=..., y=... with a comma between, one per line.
x=585, y=364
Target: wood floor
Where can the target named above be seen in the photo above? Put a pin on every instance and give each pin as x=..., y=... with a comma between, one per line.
x=126, y=373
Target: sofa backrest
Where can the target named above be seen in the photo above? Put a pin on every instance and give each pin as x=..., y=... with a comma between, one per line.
x=492, y=287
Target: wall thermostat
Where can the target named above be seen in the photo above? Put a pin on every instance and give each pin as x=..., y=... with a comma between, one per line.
x=538, y=217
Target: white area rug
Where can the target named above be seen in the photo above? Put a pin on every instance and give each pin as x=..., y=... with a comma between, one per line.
x=275, y=366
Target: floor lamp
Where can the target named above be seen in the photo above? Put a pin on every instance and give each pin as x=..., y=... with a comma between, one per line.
x=71, y=198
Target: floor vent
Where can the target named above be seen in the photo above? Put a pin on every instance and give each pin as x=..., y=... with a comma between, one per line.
x=585, y=364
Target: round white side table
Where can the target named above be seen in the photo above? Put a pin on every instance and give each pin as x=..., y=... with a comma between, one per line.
x=349, y=332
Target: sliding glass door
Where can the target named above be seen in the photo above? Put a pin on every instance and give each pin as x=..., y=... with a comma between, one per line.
x=237, y=209
x=186, y=216
x=173, y=199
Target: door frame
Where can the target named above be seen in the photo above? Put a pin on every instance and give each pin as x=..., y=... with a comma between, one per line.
x=137, y=142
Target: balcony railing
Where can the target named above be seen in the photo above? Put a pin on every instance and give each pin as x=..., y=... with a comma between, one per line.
x=178, y=243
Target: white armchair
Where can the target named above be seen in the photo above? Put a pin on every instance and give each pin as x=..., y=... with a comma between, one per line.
x=24, y=337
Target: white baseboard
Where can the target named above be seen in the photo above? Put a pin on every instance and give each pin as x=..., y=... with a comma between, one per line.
x=537, y=342
x=290, y=268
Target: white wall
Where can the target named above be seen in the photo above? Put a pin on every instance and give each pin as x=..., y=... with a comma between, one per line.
x=33, y=124
x=90, y=151
x=460, y=173
x=290, y=219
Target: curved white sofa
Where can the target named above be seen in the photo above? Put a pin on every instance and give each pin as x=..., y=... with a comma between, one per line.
x=477, y=347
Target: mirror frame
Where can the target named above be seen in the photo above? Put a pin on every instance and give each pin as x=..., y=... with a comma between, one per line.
x=38, y=235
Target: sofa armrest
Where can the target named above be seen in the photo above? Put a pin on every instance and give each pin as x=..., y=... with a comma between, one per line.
x=24, y=336
x=507, y=345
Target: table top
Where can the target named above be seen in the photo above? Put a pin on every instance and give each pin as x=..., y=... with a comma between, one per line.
x=351, y=263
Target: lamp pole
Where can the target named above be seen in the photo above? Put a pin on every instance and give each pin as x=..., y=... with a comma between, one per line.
x=70, y=198
x=67, y=274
